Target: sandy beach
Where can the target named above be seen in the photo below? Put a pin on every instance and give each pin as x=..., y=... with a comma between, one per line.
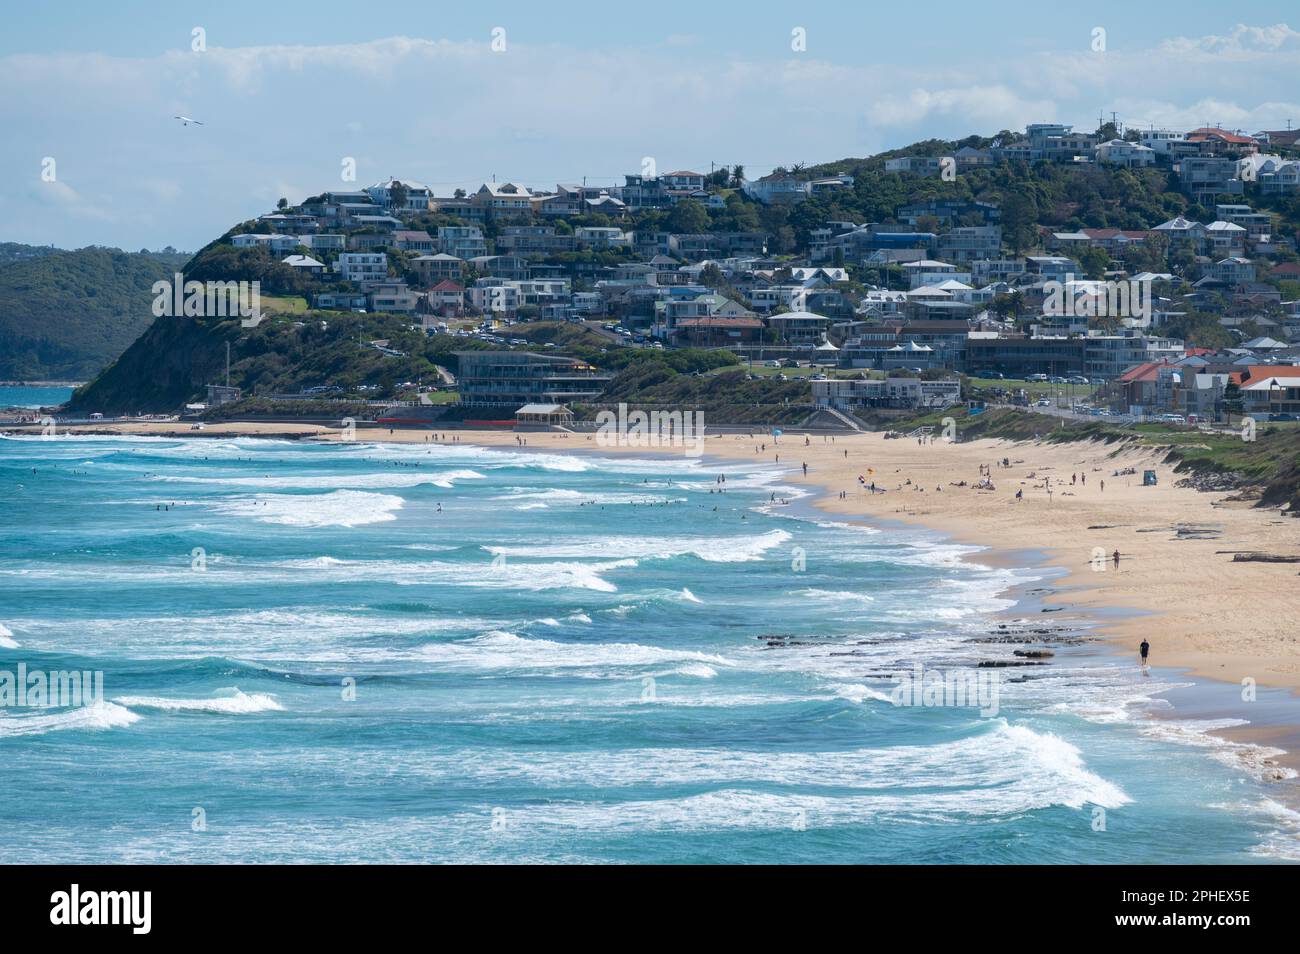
x=1175, y=584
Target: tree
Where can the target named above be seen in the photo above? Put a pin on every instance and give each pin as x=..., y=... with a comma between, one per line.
x=1019, y=221
x=397, y=195
x=1009, y=306
x=283, y=203
x=1232, y=403
x=737, y=176
x=688, y=217
x=1094, y=261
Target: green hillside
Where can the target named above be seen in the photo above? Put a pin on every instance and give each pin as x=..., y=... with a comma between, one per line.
x=171, y=362
x=65, y=315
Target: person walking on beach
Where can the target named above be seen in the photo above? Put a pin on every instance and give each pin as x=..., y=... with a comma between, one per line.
x=1115, y=557
x=1145, y=648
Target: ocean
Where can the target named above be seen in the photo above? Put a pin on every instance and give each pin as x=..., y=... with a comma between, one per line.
x=415, y=653
x=33, y=396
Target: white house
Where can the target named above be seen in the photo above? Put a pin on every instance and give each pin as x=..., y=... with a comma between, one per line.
x=1119, y=152
x=305, y=263
x=362, y=266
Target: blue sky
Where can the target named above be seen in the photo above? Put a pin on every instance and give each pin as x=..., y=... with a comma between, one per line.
x=287, y=91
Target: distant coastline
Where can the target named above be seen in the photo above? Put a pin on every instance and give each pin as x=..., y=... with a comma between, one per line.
x=41, y=384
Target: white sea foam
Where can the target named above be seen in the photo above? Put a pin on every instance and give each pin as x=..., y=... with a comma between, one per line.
x=738, y=549
x=836, y=595
x=1004, y=770
x=1260, y=761
x=103, y=715
x=577, y=498
x=699, y=670
x=504, y=650
x=232, y=702
x=7, y=640
x=856, y=692
x=341, y=508
x=690, y=597
x=385, y=479
x=1283, y=843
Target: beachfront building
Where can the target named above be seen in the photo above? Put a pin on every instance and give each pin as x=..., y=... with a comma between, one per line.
x=522, y=377
x=848, y=394
x=543, y=415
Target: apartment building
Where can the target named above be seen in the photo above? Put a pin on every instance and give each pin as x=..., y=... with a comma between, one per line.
x=523, y=377
x=362, y=266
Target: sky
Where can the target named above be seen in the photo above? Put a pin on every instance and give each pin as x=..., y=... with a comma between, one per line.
x=451, y=95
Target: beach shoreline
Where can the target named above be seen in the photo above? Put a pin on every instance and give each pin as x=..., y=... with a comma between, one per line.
x=1173, y=541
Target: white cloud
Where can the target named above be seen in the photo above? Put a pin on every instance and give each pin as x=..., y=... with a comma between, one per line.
x=981, y=108
x=1243, y=42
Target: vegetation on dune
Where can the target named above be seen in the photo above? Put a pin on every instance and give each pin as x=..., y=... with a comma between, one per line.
x=1269, y=464
x=682, y=380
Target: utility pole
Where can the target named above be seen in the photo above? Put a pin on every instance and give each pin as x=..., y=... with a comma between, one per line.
x=227, y=364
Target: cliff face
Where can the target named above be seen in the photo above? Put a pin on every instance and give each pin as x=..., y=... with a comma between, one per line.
x=167, y=366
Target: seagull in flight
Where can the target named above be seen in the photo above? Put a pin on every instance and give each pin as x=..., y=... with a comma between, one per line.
x=185, y=120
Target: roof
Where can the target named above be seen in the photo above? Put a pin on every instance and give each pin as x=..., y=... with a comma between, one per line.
x=1178, y=223
x=1142, y=372
x=1114, y=233
x=410, y=184
x=543, y=409
x=1213, y=132
x=1253, y=374
x=509, y=190
x=800, y=316
x=447, y=285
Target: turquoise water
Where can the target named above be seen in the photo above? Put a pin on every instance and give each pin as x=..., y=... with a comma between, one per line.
x=31, y=396
x=578, y=659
